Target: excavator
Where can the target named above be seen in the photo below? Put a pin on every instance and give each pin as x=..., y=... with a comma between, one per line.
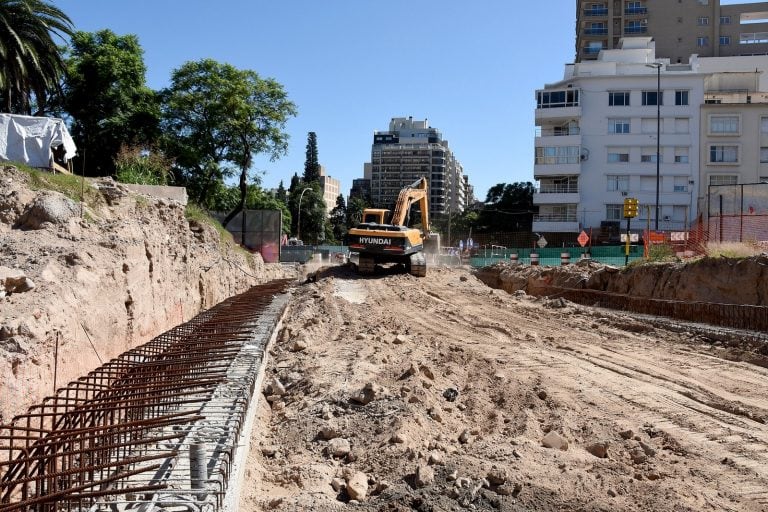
x=377, y=241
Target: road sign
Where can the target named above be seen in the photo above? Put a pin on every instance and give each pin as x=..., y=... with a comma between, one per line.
x=583, y=238
x=542, y=243
x=634, y=237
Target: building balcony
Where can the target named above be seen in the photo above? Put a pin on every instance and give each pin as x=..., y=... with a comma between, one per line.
x=596, y=31
x=548, y=138
x=592, y=50
x=596, y=12
x=633, y=31
x=541, y=197
x=556, y=113
x=633, y=11
x=555, y=223
x=546, y=170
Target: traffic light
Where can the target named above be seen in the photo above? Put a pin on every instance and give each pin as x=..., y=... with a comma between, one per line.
x=630, y=208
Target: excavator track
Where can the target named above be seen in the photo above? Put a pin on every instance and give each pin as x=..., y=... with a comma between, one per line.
x=418, y=265
x=365, y=264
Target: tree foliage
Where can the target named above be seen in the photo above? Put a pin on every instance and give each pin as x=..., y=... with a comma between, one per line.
x=31, y=65
x=215, y=118
x=508, y=207
x=309, y=197
x=311, y=163
x=355, y=211
x=107, y=98
x=338, y=219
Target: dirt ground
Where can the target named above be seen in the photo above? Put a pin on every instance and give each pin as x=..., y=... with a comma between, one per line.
x=398, y=393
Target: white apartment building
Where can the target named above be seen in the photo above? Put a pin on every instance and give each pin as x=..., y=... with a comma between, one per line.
x=596, y=141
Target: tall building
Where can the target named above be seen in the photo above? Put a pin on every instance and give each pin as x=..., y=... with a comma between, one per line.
x=679, y=28
x=605, y=133
x=406, y=152
x=331, y=189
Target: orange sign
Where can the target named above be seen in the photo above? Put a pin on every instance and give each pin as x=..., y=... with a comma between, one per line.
x=656, y=238
x=583, y=238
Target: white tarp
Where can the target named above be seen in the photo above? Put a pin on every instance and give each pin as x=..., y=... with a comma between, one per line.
x=29, y=140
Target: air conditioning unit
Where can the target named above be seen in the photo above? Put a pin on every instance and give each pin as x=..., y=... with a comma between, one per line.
x=667, y=218
x=625, y=194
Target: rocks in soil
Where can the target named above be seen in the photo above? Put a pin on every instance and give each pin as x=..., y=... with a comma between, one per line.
x=626, y=434
x=424, y=476
x=554, y=440
x=47, y=207
x=275, y=387
x=338, y=447
x=370, y=392
x=357, y=484
x=14, y=281
x=599, y=449
x=298, y=345
x=451, y=394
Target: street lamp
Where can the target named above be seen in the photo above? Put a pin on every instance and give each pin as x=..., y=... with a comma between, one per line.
x=657, y=65
x=298, y=222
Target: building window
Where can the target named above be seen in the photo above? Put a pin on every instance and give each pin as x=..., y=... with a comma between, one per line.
x=618, y=98
x=763, y=179
x=719, y=125
x=725, y=20
x=723, y=179
x=681, y=155
x=764, y=125
x=552, y=155
x=682, y=125
x=617, y=157
x=618, y=183
x=653, y=98
x=753, y=38
x=723, y=154
x=702, y=21
x=636, y=27
x=649, y=158
x=618, y=126
x=702, y=41
x=681, y=97
x=557, y=99
x=725, y=40
x=764, y=155
x=614, y=211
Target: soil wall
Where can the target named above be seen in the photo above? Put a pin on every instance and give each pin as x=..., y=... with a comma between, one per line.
x=103, y=281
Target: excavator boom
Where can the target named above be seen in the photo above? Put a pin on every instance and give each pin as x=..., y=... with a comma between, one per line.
x=415, y=192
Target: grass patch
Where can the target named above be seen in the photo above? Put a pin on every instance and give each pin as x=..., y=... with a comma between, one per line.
x=733, y=250
x=196, y=213
x=67, y=184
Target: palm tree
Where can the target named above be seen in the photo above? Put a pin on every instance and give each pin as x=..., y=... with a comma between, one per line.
x=31, y=65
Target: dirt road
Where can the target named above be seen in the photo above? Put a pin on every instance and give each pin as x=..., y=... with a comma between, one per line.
x=399, y=393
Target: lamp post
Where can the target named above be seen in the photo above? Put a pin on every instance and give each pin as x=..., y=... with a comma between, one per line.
x=657, y=65
x=298, y=222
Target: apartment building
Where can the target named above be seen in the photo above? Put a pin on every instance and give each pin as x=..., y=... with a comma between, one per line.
x=631, y=125
x=407, y=151
x=331, y=188
x=680, y=28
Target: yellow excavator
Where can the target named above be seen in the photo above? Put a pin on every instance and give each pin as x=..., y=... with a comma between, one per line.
x=377, y=241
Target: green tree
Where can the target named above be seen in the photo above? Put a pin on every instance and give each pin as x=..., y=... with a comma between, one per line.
x=508, y=207
x=312, y=215
x=355, y=211
x=106, y=95
x=311, y=163
x=31, y=65
x=282, y=194
x=338, y=219
x=215, y=118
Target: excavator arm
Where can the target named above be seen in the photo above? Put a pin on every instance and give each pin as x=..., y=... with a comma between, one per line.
x=414, y=193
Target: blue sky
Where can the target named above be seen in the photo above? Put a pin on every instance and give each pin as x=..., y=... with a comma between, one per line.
x=470, y=67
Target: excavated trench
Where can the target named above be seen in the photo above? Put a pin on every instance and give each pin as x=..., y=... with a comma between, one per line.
x=155, y=429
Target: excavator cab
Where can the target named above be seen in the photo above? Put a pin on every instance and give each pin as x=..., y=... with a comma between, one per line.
x=374, y=216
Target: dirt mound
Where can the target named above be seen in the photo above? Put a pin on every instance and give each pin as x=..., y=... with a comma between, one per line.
x=718, y=280
x=129, y=269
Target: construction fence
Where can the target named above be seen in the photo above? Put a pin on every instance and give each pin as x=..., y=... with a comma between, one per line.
x=735, y=213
